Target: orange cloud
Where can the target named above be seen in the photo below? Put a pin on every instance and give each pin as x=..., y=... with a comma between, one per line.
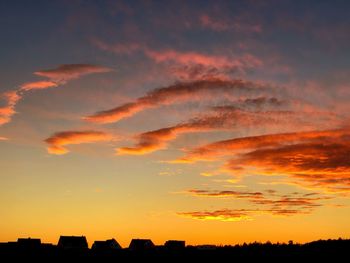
x=273, y=199
x=234, y=215
x=315, y=159
x=189, y=58
x=221, y=215
x=11, y=98
x=212, y=151
x=71, y=71
x=188, y=65
x=227, y=193
x=194, y=65
x=240, y=214
x=270, y=203
x=3, y=138
x=38, y=85
x=222, y=118
x=59, y=140
x=177, y=93
x=319, y=162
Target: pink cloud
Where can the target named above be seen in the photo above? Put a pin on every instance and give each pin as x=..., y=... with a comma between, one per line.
x=229, y=118
x=119, y=48
x=71, y=71
x=220, y=24
x=194, y=65
x=57, y=76
x=177, y=93
x=188, y=65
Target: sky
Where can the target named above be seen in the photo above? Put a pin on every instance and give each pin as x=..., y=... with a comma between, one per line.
x=214, y=122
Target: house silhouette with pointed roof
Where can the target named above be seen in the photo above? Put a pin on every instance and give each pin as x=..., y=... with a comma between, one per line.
x=141, y=244
x=109, y=244
x=72, y=242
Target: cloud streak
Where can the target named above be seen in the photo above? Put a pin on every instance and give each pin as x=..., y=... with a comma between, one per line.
x=188, y=65
x=315, y=159
x=176, y=93
x=221, y=118
x=221, y=25
x=38, y=85
x=229, y=215
x=67, y=72
x=214, y=150
x=227, y=193
x=6, y=112
x=269, y=198
x=322, y=162
x=58, y=141
x=271, y=204
x=57, y=76
x=194, y=65
x=234, y=215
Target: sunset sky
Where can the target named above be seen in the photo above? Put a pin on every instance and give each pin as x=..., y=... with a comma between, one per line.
x=214, y=122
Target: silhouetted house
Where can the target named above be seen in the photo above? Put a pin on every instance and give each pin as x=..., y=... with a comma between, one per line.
x=141, y=244
x=109, y=244
x=28, y=243
x=72, y=242
x=174, y=244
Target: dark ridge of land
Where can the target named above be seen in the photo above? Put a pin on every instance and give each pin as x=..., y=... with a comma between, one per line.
x=34, y=251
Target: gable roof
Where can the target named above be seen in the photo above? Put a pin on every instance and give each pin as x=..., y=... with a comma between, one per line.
x=72, y=242
x=107, y=244
x=141, y=244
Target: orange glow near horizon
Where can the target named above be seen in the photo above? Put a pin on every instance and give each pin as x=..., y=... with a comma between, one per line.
x=221, y=123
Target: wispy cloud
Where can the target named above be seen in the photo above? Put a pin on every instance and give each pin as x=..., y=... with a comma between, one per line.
x=231, y=215
x=6, y=112
x=118, y=48
x=71, y=71
x=267, y=198
x=214, y=150
x=227, y=193
x=240, y=214
x=176, y=93
x=188, y=65
x=57, y=77
x=221, y=118
x=270, y=203
x=318, y=162
x=38, y=85
x=58, y=141
x=221, y=24
x=315, y=159
x=194, y=65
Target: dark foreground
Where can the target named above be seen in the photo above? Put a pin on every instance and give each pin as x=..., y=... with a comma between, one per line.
x=323, y=250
